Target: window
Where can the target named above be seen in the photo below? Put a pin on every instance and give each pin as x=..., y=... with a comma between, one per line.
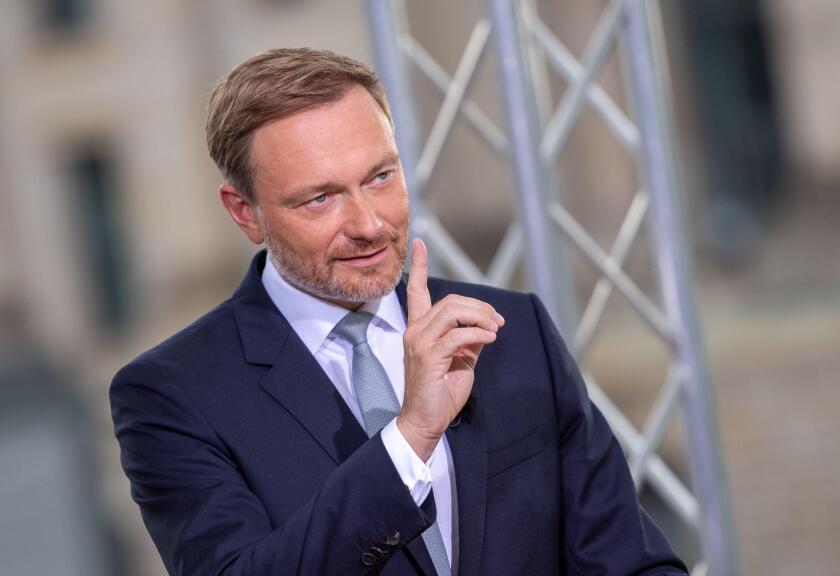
x=93, y=175
x=63, y=17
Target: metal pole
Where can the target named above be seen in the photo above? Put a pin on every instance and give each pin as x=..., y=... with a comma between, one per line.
x=547, y=262
x=676, y=285
x=386, y=26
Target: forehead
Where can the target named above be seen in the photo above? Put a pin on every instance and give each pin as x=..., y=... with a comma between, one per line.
x=338, y=141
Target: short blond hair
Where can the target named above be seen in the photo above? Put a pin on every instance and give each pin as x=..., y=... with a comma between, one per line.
x=272, y=85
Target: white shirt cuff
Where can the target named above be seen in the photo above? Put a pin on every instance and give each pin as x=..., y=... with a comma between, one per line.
x=415, y=474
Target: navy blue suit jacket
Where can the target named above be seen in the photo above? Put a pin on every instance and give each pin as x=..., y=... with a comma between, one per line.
x=244, y=459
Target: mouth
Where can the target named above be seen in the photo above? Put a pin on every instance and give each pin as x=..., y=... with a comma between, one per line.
x=363, y=260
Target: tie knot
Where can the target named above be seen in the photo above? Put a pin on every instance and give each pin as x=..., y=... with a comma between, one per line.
x=353, y=327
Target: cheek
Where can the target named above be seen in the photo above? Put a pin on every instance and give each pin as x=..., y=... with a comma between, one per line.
x=396, y=211
x=306, y=239
x=318, y=245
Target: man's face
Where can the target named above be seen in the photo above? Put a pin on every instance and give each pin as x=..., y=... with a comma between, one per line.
x=330, y=199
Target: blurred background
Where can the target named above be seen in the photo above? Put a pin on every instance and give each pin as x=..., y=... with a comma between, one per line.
x=112, y=238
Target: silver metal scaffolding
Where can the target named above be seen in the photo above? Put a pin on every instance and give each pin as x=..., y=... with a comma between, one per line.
x=544, y=228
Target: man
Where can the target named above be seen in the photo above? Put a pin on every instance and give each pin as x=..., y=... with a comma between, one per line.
x=330, y=418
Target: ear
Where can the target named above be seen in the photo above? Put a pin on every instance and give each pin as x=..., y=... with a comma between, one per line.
x=242, y=210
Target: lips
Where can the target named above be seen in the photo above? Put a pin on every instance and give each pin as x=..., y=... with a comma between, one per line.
x=366, y=259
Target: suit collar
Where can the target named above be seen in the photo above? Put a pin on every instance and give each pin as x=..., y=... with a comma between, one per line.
x=313, y=318
x=262, y=329
x=310, y=317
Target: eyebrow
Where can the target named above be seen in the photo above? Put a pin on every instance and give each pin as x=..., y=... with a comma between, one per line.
x=329, y=186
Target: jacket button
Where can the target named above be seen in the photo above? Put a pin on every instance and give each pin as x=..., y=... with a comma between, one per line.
x=377, y=552
x=393, y=538
x=368, y=559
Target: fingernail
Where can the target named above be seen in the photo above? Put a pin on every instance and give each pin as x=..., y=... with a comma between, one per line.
x=500, y=319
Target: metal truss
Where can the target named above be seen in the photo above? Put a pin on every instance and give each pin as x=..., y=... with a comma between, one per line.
x=531, y=149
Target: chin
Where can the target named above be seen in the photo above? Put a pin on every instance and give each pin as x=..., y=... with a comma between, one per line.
x=368, y=282
x=368, y=286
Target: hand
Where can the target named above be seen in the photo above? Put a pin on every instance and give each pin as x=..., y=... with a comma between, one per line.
x=441, y=347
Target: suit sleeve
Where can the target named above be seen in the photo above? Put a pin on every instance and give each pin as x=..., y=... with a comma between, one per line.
x=205, y=520
x=606, y=530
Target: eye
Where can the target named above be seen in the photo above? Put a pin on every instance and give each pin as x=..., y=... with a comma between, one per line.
x=319, y=199
x=383, y=176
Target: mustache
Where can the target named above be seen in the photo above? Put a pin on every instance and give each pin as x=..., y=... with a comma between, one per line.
x=357, y=248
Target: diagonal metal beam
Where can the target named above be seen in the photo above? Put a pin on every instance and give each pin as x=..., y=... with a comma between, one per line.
x=561, y=123
x=591, y=317
x=449, y=251
x=649, y=312
x=657, y=420
x=567, y=65
x=506, y=258
x=452, y=103
x=477, y=119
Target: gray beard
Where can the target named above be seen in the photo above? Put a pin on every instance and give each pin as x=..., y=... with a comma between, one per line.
x=293, y=269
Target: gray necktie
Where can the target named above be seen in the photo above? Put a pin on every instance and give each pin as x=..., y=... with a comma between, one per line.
x=379, y=405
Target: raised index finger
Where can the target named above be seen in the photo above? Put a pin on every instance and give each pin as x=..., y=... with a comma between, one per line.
x=419, y=300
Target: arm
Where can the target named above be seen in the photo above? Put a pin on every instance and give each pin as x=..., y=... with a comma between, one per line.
x=606, y=530
x=205, y=520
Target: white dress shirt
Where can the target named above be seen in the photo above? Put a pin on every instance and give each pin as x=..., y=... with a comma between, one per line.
x=313, y=320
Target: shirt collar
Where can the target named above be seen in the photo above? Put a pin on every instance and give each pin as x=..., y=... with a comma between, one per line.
x=313, y=318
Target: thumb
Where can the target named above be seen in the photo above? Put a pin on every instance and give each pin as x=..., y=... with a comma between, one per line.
x=417, y=291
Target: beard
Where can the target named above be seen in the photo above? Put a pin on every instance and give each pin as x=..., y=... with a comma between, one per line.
x=321, y=279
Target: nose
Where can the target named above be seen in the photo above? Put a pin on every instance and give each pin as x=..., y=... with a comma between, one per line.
x=363, y=222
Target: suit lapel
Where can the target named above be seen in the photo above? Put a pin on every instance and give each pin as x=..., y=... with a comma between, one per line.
x=469, y=455
x=298, y=383
x=295, y=379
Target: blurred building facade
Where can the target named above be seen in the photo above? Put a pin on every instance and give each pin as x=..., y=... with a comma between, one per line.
x=111, y=236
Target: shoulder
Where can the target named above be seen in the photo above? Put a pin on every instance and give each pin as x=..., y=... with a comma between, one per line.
x=506, y=302
x=527, y=321
x=440, y=288
x=196, y=347
x=210, y=343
